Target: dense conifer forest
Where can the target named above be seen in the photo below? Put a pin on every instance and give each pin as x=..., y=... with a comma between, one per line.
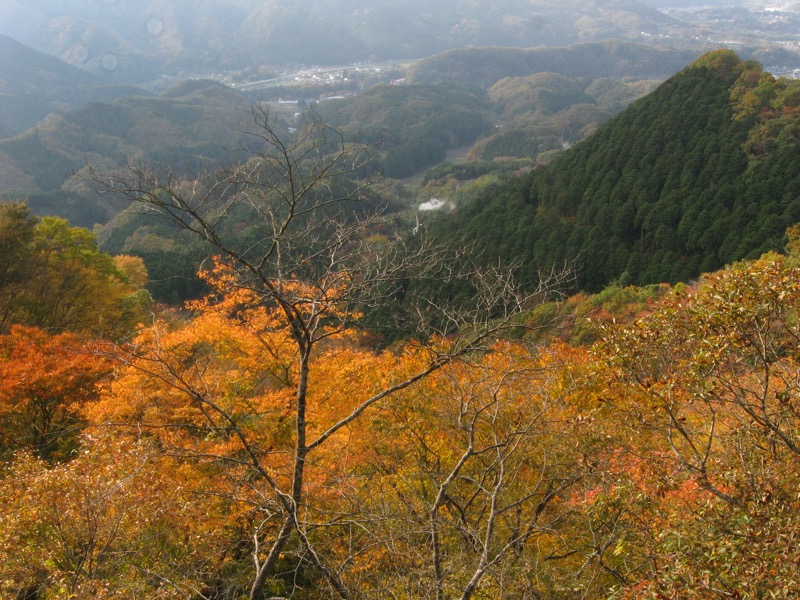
x=700, y=173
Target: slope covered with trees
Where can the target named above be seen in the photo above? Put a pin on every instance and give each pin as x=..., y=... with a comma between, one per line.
x=416, y=124
x=257, y=443
x=190, y=126
x=486, y=66
x=33, y=84
x=698, y=174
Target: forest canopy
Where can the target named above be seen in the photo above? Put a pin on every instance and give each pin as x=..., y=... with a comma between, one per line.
x=708, y=177
x=263, y=440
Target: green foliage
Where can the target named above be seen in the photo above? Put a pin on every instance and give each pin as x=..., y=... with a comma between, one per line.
x=579, y=320
x=171, y=259
x=53, y=276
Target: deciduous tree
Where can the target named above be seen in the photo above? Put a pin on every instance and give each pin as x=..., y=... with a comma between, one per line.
x=294, y=276
x=709, y=384
x=45, y=380
x=53, y=276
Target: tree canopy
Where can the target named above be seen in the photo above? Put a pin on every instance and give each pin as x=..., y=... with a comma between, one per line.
x=693, y=176
x=53, y=276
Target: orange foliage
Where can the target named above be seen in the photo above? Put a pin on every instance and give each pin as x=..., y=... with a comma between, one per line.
x=119, y=520
x=45, y=380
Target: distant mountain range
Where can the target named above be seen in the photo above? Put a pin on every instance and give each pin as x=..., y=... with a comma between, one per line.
x=139, y=41
x=34, y=84
x=486, y=66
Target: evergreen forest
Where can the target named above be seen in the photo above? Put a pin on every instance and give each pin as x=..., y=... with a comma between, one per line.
x=698, y=174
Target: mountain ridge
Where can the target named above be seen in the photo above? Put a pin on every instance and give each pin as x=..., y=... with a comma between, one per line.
x=34, y=84
x=679, y=196
x=610, y=58
x=145, y=39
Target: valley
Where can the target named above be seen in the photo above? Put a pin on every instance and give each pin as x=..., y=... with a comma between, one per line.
x=359, y=300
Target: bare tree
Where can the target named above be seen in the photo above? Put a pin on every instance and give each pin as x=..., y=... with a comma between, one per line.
x=290, y=223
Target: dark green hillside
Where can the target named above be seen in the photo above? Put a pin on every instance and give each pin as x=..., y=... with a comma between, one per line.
x=417, y=123
x=187, y=127
x=702, y=172
x=485, y=66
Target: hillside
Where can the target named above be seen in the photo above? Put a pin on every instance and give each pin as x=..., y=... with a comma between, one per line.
x=188, y=126
x=417, y=124
x=540, y=115
x=486, y=66
x=33, y=84
x=700, y=173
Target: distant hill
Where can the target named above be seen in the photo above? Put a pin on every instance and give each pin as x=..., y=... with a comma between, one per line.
x=540, y=115
x=141, y=40
x=416, y=124
x=486, y=66
x=187, y=127
x=33, y=85
x=519, y=117
x=701, y=172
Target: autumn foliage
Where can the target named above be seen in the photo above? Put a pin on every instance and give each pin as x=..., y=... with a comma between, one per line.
x=45, y=383
x=261, y=442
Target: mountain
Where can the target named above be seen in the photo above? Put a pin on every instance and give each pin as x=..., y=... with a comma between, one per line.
x=34, y=84
x=486, y=66
x=414, y=124
x=196, y=123
x=138, y=41
x=701, y=172
x=24, y=70
x=186, y=127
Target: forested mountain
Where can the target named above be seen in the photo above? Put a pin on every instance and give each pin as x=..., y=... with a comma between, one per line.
x=258, y=381
x=33, y=84
x=486, y=66
x=140, y=40
x=540, y=115
x=187, y=126
x=198, y=122
x=258, y=444
x=416, y=124
x=702, y=172
x=410, y=128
